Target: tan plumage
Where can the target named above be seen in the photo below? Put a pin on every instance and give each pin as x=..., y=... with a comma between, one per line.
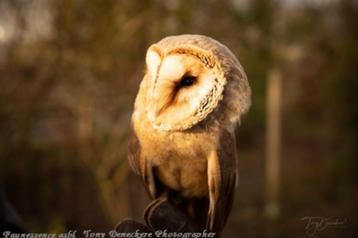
x=183, y=142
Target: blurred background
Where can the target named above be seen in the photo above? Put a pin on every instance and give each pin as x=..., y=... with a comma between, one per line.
x=69, y=73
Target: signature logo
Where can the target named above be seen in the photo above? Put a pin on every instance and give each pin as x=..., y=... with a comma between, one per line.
x=316, y=224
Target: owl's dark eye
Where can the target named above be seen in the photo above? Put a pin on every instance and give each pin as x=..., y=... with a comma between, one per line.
x=187, y=81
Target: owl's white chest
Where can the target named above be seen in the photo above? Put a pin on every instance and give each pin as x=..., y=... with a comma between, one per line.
x=180, y=160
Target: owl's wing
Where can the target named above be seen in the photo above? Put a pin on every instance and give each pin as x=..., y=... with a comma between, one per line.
x=134, y=151
x=139, y=165
x=222, y=176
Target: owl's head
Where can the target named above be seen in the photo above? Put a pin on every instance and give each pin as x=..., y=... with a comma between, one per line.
x=189, y=76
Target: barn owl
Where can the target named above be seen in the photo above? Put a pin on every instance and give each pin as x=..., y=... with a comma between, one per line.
x=183, y=126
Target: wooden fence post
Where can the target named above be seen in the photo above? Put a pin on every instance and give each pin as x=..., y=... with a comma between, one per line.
x=273, y=142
